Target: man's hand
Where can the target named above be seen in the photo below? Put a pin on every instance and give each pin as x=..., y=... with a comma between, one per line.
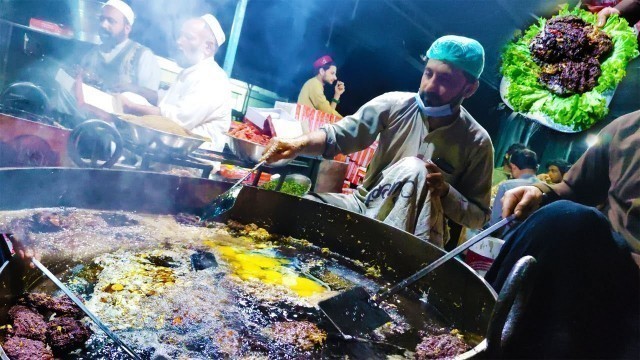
x=279, y=149
x=92, y=79
x=339, y=90
x=544, y=177
x=521, y=201
x=27, y=254
x=127, y=104
x=130, y=107
x=435, y=180
x=23, y=250
x=604, y=14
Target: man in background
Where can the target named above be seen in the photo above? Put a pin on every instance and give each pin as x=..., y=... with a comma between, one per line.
x=555, y=171
x=120, y=64
x=199, y=100
x=433, y=159
x=312, y=92
x=523, y=164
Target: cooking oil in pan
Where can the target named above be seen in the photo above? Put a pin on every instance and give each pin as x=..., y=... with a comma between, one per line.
x=134, y=272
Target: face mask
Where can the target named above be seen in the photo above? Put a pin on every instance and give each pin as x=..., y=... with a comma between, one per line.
x=434, y=111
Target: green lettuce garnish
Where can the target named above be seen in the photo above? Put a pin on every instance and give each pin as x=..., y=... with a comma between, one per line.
x=579, y=111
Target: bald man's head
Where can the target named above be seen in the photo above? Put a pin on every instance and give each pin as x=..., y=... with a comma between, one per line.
x=196, y=42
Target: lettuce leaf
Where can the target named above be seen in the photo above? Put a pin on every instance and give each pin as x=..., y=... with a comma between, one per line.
x=579, y=111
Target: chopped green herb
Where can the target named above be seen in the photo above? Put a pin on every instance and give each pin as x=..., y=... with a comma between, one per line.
x=289, y=186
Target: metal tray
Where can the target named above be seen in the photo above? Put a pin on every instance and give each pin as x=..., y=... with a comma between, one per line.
x=151, y=139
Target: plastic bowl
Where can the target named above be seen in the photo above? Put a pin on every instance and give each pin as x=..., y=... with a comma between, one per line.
x=251, y=152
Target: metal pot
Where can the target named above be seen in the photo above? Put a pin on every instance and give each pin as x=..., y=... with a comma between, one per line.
x=251, y=152
x=463, y=298
x=147, y=139
x=86, y=14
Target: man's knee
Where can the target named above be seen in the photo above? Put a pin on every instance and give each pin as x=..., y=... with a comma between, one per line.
x=568, y=225
x=413, y=166
x=566, y=214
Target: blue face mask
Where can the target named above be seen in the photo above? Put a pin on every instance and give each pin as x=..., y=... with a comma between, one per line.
x=434, y=111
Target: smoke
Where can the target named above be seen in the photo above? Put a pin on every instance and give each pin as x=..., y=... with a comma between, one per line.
x=280, y=40
x=159, y=22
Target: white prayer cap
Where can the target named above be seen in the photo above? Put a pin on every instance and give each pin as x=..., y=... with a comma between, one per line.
x=215, y=27
x=123, y=8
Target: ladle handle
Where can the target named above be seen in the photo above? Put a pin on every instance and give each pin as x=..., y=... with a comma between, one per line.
x=249, y=173
x=3, y=355
x=453, y=253
x=88, y=312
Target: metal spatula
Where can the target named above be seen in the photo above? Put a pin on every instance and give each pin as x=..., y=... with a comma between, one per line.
x=225, y=201
x=87, y=312
x=355, y=313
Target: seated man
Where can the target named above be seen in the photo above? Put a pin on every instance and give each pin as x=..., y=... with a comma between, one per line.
x=587, y=280
x=200, y=98
x=556, y=170
x=403, y=186
x=120, y=64
x=503, y=173
x=506, y=169
x=523, y=165
x=312, y=92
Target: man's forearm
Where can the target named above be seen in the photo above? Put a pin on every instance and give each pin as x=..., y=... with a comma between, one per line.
x=630, y=10
x=334, y=104
x=150, y=95
x=138, y=109
x=313, y=143
x=464, y=212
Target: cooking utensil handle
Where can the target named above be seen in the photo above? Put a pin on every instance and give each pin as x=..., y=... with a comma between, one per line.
x=510, y=306
x=91, y=316
x=248, y=174
x=3, y=355
x=453, y=253
x=103, y=130
x=239, y=182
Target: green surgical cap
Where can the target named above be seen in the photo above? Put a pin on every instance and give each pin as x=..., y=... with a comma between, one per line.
x=462, y=52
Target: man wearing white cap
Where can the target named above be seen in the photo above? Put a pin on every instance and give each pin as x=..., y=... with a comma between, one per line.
x=120, y=64
x=199, y=100
x=433, y=159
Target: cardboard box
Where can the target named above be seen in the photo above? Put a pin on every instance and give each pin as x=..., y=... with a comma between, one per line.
x=481, y=255
x=274, y=122
x=310, y=118
x=364, y=157
x=292, y=109
x=49, y=27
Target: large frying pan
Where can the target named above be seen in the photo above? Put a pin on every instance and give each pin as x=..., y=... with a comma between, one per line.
x=462, y=297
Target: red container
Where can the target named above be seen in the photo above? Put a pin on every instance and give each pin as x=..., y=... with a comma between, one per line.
x=25, y=143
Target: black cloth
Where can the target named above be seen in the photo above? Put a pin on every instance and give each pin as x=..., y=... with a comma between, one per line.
x=585, y=301
x=630, y=10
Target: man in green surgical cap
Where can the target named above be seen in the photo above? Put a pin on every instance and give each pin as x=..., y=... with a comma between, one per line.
x=433, y=161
